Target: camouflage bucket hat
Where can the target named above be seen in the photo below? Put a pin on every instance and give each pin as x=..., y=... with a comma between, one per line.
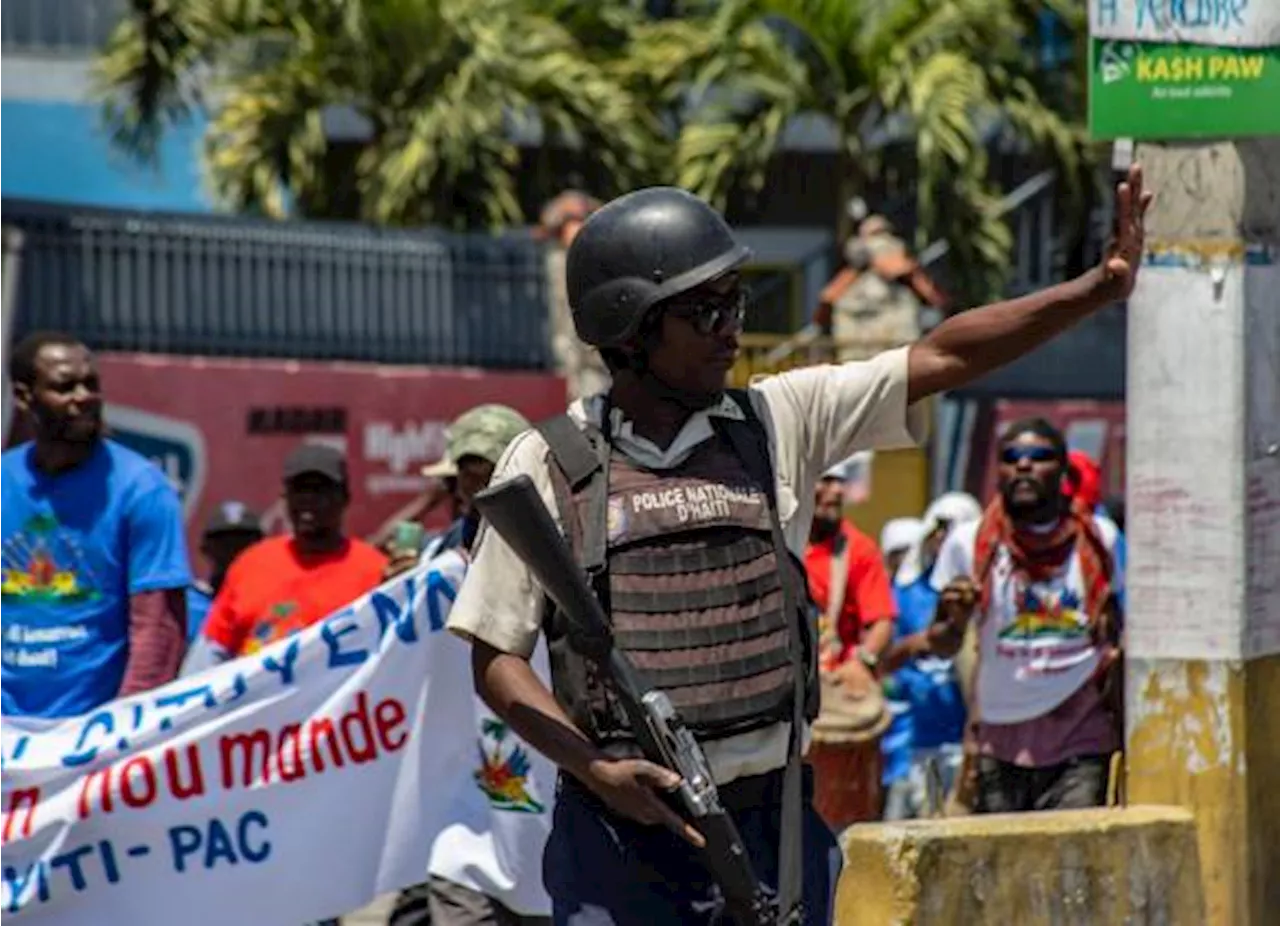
x=484, y=431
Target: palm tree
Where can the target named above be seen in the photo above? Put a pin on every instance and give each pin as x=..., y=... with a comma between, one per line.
x=939, y=76
x=437, y=86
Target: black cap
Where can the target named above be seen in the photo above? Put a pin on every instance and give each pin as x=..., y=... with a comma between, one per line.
x=316, y=458
x=232, y=517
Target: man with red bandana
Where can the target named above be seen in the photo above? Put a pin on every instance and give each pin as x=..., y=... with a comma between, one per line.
x=1038, y=572
x=1083, y=484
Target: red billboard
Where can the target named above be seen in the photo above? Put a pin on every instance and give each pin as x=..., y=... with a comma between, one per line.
x=222, y=428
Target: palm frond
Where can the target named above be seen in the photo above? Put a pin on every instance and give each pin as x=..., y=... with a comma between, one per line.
x=1065, y=143
x=449, y=162
x=824, y=35
x=943, y=97
x=742, y=97
x=666, y=57
x=267, y=139
x=579, y=101
x=439, y=82
x=140, y=75
x=159, y=58
x=980, y=240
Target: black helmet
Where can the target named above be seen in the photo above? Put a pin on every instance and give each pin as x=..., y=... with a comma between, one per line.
x=638, y=250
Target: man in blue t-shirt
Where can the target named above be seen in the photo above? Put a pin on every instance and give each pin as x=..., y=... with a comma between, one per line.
x=231, y=529
x=923, y=745
x=95, y=566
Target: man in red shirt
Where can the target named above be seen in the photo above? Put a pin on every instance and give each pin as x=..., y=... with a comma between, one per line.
x=850, y=587
x=865, y=624
x=283, y=584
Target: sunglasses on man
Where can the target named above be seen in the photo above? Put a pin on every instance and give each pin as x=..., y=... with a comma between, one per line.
x=1012, y=456
x=713, y=313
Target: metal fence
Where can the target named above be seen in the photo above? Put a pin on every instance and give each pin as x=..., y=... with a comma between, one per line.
x=66, y=26
x=317, y=291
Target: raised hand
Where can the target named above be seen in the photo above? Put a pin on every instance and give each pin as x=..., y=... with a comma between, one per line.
x=956, y=604
x=1124, y=252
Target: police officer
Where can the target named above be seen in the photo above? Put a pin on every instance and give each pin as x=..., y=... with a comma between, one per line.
x=684, y=544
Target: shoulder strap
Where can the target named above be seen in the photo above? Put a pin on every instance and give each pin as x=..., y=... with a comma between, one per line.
x=750, y=441
x=583, y=457
x=839, y=582
x=571, y=448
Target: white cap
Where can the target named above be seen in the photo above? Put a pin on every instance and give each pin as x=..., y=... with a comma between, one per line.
x=840, y=471
x=953, y=508
x=900, y=534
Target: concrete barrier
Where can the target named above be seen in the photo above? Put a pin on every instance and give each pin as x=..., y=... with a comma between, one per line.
x=1134, y=865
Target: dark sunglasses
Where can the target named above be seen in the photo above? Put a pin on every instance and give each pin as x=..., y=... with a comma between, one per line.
x=1015, y=455
x=713, y=314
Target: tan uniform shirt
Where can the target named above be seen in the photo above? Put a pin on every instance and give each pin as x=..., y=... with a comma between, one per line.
x=815, y=417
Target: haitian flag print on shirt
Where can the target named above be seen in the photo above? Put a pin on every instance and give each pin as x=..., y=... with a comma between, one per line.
x=76, y=545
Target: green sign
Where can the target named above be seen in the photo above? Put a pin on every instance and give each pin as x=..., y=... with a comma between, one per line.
x=1168, y=91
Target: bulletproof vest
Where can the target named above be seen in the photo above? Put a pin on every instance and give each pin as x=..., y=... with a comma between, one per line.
x=693, y=585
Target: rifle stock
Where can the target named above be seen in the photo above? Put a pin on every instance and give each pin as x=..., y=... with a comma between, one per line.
x=515, y=510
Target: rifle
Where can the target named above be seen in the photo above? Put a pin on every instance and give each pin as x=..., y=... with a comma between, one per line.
x=516, y=511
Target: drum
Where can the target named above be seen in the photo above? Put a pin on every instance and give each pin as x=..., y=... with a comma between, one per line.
x=846, y=782
x=845, y=754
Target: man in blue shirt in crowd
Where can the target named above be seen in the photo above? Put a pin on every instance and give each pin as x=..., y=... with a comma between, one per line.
x=231, y=529
x=95, y=566
x=924, y=742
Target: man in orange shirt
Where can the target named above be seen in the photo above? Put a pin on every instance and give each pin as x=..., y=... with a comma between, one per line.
x=283, y=584
x=851, y=590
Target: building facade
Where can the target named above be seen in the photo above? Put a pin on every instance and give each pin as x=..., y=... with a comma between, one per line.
x=54, y=146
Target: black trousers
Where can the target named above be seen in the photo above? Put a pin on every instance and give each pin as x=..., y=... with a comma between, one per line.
x=601, y=870
x=1076, y=784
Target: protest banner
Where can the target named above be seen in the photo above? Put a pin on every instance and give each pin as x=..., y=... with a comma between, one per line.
x=295, y=784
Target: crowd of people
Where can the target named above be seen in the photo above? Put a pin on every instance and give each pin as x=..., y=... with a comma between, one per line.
x=980, y=646
x=99, y=596
x=974, y=651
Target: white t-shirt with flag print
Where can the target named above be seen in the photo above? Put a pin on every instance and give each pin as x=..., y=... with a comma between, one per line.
x=1035, y=648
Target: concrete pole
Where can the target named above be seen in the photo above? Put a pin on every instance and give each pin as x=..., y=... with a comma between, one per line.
x=1203, y=503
